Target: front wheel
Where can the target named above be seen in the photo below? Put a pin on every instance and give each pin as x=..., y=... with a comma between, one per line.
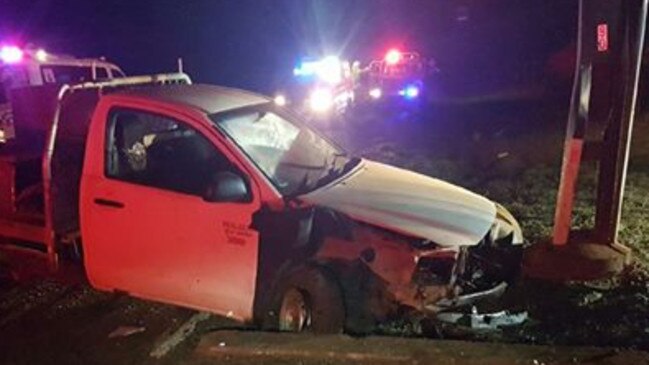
x=308, y=300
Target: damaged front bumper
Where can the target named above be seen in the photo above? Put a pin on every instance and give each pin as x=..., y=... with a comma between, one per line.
x=423, y=276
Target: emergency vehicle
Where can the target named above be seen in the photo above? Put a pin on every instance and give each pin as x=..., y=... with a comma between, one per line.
x=399, y=75
x=325, y=85
x=21, y=67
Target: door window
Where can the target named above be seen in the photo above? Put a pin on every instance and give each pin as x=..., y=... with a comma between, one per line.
x=62, y=74
x=115, y=73
x=101, y=73
x=157, y=151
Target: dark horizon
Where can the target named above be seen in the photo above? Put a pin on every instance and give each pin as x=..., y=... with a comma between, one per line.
x=481, y=45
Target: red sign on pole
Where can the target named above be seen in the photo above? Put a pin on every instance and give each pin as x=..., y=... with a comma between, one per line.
x=602, y=37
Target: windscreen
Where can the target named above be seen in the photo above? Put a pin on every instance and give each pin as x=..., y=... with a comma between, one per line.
x=58, y=74
x=294, y=157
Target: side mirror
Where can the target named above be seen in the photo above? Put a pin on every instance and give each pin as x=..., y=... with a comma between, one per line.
x=227, y=187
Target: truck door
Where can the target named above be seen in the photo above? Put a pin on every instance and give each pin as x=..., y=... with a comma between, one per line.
x=149, y=231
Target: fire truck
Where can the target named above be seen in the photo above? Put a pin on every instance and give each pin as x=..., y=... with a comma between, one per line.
x=399, y=75
x=29, y=66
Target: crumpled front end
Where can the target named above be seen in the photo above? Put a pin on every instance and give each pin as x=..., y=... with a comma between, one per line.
x=423, y=276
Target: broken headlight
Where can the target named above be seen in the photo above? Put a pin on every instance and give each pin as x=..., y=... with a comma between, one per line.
x=505, y=228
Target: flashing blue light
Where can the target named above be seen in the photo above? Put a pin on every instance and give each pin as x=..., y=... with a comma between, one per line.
x=306, y=69
x=411, y=92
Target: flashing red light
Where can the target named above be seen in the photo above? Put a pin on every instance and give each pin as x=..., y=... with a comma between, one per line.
x=11, y=54
x=393, y=57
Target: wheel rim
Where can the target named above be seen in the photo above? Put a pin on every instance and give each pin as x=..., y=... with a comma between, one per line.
x=295, y=313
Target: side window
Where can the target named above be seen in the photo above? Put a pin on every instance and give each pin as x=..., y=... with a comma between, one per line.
x=102, y=73
x=160, y=152
x=48, y=76
x=116, y=73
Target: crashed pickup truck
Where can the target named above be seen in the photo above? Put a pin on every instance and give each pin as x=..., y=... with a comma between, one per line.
x=219, y=200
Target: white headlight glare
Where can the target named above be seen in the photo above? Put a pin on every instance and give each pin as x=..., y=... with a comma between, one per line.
x=330, y=70
x=280, y=100
x=321, y=100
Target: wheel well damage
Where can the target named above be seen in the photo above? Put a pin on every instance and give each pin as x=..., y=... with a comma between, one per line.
x=378, y=271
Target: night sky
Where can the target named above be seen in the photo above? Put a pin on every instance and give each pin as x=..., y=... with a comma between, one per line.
x=479, y=44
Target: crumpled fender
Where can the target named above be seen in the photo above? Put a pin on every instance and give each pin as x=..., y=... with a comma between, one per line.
x=409, y=203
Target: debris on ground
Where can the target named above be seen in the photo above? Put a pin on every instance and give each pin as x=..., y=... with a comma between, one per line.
x=484, y=321
x=590, y=298
x=125, y=331
x=495, y=321
x=169, y=341
x=502, y=155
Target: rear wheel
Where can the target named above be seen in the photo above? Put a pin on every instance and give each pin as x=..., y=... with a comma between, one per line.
x=309, y=300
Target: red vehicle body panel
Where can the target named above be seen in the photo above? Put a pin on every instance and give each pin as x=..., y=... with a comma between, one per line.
x=165, y=245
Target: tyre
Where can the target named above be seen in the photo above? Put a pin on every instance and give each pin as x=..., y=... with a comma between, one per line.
x=308, y=300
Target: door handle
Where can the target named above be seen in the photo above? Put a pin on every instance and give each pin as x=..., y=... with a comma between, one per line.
x=109, y=203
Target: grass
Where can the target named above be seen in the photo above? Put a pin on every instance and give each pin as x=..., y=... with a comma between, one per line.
x=523, y=174
x=525, y=179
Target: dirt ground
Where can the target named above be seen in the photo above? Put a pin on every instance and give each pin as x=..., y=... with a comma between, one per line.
x=511, y=153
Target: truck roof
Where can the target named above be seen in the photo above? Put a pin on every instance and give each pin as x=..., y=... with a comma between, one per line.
x=207, y=98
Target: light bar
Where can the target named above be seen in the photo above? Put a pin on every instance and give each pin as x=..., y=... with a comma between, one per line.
x=41, y=55
x=328, y=69
x=393, y=57
x=11, y=54
x=306, y=68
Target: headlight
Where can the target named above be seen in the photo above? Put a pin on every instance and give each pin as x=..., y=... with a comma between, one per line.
x=376, y=93
x=410, y=92
x=280, y=100
x=321, y=100
x=505, y=225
